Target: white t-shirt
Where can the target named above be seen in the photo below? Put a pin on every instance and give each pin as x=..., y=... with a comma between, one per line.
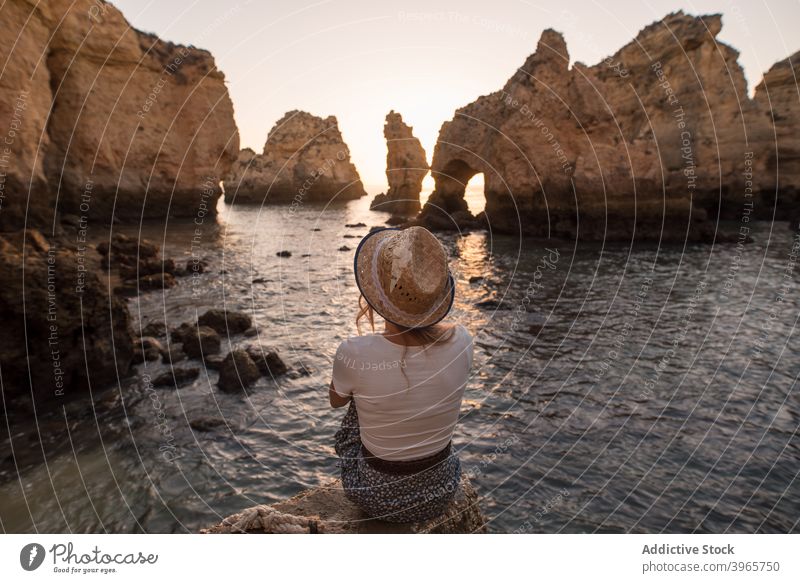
x=404, y=416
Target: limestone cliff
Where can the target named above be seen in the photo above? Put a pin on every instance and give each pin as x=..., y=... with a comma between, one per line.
x=305, y=159
x=654, y=140
x=106, y=117
x=406, y=168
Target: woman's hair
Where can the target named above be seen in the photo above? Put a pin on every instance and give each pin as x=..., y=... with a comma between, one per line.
x=434, y=334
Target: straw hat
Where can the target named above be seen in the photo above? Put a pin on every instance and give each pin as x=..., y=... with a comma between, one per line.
x=403, y=275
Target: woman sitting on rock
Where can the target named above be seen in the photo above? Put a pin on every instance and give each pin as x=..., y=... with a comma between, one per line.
x=404, y=385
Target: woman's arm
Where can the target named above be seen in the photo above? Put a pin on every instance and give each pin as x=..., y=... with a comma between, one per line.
x=336, y=399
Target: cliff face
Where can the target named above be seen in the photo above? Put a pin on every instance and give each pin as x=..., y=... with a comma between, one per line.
x=112, y=117
x=406, y=168
x=653, y=140
x=305, y=159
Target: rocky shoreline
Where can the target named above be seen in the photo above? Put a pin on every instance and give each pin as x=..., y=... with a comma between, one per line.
x=106, y=124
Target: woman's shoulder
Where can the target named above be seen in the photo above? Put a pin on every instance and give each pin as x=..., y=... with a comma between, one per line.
x=359, y=343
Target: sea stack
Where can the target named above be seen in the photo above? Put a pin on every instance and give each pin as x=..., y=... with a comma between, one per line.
x=406, y=167
x=654, y=142
x=305, y=159
x=107, y=119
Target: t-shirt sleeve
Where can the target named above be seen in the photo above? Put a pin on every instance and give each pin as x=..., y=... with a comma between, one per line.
x=469, y=346
x=345, y=373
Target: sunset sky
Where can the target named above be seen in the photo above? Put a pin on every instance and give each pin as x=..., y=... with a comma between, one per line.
x=358, y=59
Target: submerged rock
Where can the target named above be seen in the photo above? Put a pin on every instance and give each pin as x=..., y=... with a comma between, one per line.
x=177, y=377
x=197, y=341
x=237, y=372
x=226, y=321
x=406, y=168
x=207, y=423
x=327, y=510
x=146, y=348
x=305, y=159
x=269, y=363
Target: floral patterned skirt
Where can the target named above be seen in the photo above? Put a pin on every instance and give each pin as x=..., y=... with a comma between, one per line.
x=394, y=498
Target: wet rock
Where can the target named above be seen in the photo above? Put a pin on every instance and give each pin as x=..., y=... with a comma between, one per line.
x=177, y=377
x=284, y=254
x=155, y=329
x=70, y=220
x=157, y=281
x=344, y=248
x=476, y=278
x=199, y=341
x=355, y=225
x=213, y=361
x=91, y=326
x=207, y=423
x=306, y=255
x=127, y=249
x=492, y=304
x=146, y=348
x=269, y=362
x=226, y=321
x=173, y=353
x=147, y=267
x=250, y=332
x=260, y=280
x=237, y=372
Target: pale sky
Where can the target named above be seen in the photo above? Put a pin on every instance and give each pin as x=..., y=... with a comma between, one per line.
x=358, y=59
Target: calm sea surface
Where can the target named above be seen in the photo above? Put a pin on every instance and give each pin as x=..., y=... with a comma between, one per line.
x=641, y=389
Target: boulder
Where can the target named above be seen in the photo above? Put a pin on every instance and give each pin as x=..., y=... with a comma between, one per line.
x=305, y=159
x=237, y=372
x=177, y=377
x=326, y=509
x=213, y=361
x=406, y=167
x=268, y=361
x=155, y=329
x=146, y=348
x=226, y=321
x=198, y=341
x=115, y=124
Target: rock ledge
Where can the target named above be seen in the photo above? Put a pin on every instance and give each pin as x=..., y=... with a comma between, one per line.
x=326, y=509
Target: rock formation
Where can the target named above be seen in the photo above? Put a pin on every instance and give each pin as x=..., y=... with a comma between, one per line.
x=305, y=159
x=103, y=118
x=406, y=168
x=654, y=140
x=327, y=510
x=59, y=322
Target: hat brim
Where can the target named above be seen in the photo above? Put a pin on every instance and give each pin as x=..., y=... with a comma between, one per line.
x=362, y=267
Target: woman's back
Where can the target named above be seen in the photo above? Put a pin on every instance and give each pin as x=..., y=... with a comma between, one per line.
x=408, y=397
